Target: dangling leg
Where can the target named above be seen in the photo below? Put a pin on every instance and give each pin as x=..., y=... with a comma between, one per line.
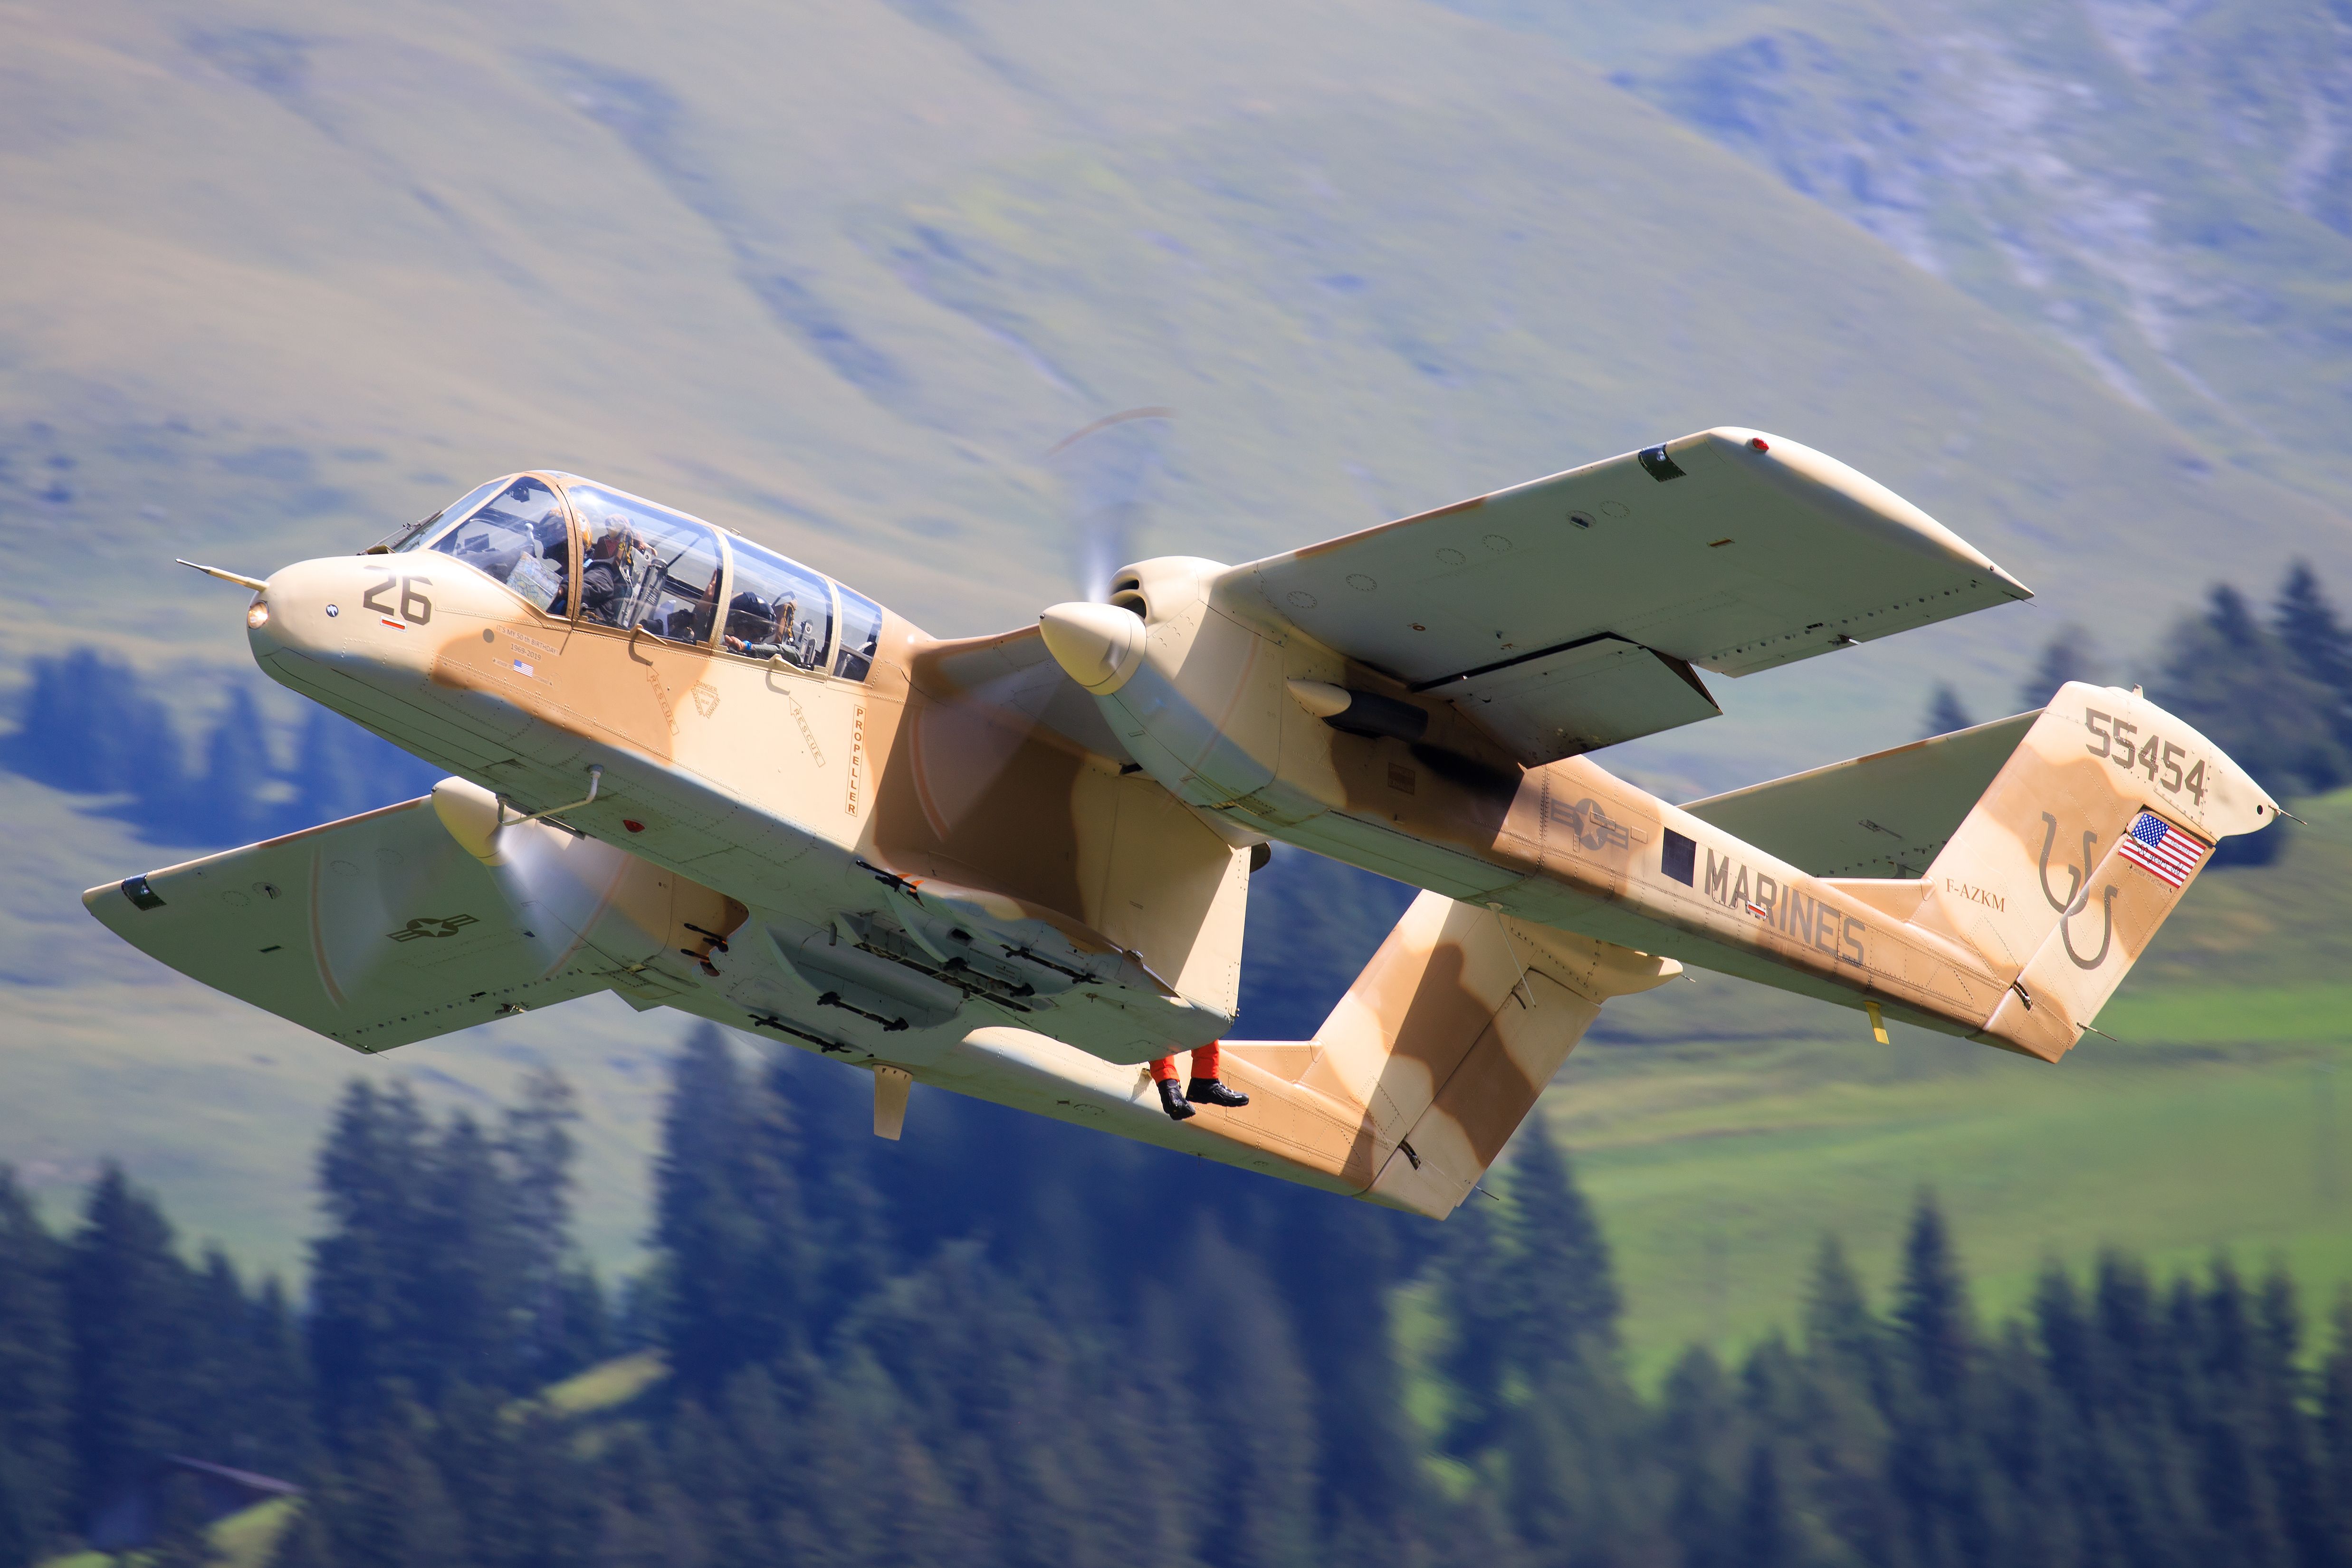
x=1206, y=1088
x=1172, y=1099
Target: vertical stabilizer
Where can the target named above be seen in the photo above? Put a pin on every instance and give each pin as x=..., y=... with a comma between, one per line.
x=2082, y=846
x=1443, y=1045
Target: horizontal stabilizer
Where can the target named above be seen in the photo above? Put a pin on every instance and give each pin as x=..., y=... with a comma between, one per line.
x=1885, y=814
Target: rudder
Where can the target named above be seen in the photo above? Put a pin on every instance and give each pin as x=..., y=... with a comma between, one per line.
x=1447, y=1038
x=2080, y=849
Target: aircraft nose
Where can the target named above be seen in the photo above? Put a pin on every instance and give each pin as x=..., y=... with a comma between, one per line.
x=316, y=609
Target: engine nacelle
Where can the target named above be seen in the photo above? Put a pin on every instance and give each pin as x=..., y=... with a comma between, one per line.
x=1196, y=695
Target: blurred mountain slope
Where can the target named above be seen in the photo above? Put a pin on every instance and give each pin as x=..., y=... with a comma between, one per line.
x=2163, y=186
x=839, y=279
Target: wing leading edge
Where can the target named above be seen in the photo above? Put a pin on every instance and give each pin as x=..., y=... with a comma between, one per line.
x=380, y=930
x=1573, y=612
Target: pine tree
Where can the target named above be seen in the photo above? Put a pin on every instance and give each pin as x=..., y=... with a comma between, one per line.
x=24, y=1512
x=371, y=1326
x=2232, y=620
x=474, y=1297
x=539, y=1146
x=2335, y=1524
x=646, y=1521
x=2317, y=643
x=277, y=1399
x=1259, y=1461
x=127, y=1301
x=1564, y=1285
x=1335, y=1266
x=2226, y=675
x=1846, y=1396
x=2306, y=623
x=90, y=728
x=1474, y=1289
x=1945, y=713
x=2067, y=1347
x=1697, y=1436
x=228, y=802
x=1839, y=1328
x=1931, y=1306
x=217, y=1369
x=739, y=1247
x=36, y=1375
x=390, y=1508
x=1768, y=1536
x=2068, y=656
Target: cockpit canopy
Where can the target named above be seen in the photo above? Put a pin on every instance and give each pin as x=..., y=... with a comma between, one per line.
x=601, y=557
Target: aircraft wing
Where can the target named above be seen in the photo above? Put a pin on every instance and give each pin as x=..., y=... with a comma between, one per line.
x=379, y=931
x=1575, y=611
x=1885, y=814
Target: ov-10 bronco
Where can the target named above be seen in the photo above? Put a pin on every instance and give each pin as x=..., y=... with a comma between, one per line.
x=691, y=771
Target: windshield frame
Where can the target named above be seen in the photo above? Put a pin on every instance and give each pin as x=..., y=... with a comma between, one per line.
x=422, y=534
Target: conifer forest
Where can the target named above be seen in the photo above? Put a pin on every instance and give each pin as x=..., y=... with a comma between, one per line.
x=1006, y=1341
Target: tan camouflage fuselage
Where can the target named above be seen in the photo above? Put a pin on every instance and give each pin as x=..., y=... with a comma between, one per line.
x=915, y=870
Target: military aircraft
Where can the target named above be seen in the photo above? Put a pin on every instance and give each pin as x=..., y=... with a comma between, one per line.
x=691, y=771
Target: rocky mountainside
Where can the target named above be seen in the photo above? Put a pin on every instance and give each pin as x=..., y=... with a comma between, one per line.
x=2162, y=187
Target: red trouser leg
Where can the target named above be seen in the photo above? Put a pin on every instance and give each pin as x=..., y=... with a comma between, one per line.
x=1206, y=1060
x=1164, y=1071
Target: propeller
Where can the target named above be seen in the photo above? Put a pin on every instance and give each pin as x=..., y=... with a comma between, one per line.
x=1106, y=469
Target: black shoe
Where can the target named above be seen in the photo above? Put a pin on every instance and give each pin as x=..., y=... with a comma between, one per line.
x=1172, y=1102
x=1212, y=1091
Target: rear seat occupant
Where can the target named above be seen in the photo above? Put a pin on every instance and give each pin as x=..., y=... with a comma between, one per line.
x=778, y=606
x=646, y=566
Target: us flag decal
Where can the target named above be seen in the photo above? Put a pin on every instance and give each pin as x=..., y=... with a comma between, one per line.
x=2160, y=849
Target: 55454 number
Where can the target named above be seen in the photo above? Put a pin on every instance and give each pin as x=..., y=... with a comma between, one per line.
x=2116, y=740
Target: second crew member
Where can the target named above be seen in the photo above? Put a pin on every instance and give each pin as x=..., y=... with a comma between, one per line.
x=1206, y=1088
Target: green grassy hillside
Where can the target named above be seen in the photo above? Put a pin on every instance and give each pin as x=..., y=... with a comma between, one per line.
x=1722, y=1131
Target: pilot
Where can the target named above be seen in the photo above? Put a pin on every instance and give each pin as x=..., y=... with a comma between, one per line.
x=750, y=625
x=604, y=580
x=1206, y=1088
